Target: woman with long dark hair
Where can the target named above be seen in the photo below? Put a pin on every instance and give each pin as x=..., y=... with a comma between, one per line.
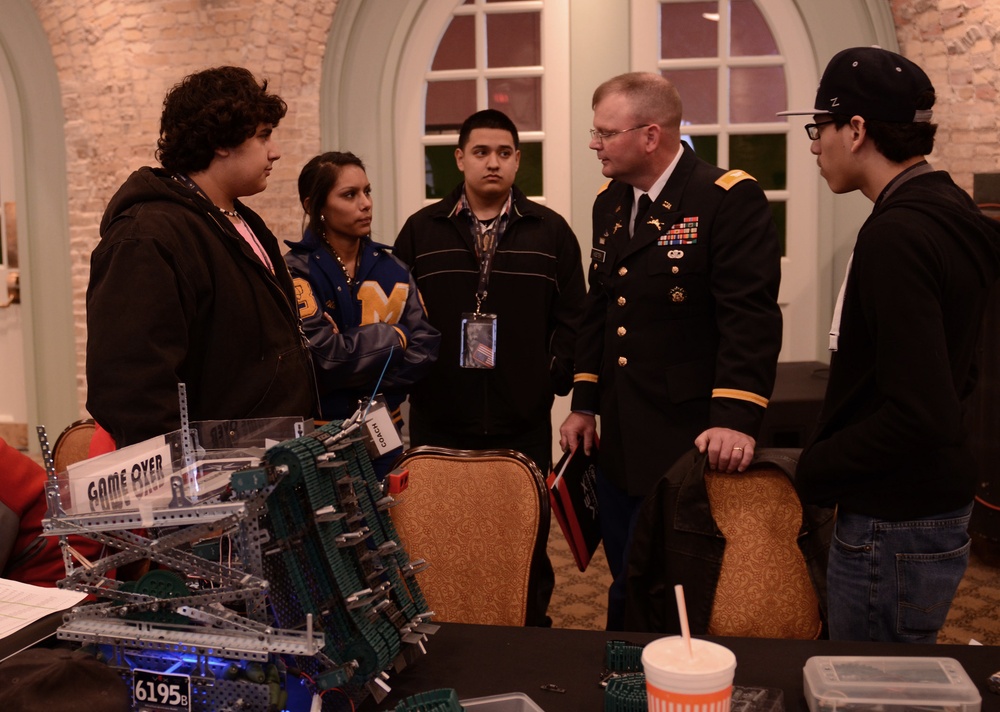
x=360, y=308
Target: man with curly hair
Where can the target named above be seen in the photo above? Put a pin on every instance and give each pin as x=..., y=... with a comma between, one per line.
x=187, y=284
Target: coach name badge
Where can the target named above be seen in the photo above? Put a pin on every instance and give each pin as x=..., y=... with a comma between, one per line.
x=382, y=434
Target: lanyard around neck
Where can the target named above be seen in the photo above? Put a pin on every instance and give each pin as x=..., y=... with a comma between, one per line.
x=486, y=249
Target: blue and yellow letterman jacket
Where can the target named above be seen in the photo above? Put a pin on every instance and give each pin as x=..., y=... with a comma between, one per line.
x=380, y=320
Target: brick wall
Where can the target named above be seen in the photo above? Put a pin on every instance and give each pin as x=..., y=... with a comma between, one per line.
x=957, y=42
x=117, y=59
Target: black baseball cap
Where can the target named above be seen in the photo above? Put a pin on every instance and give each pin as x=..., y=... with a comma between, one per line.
x=873, y=83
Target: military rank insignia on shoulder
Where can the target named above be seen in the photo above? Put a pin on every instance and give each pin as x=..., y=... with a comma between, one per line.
x=603, y=187
x=731, y=178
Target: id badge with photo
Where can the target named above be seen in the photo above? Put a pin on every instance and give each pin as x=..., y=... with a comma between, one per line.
x=479, y=341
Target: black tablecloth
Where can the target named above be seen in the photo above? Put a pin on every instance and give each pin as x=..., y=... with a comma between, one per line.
x=478, y=661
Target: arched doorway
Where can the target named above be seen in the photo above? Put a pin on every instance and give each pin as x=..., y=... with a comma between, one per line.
x=34, y=191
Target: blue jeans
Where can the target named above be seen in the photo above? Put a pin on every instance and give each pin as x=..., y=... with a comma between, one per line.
x=894, y=581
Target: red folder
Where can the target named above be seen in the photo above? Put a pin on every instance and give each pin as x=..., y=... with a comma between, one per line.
x=573, y=495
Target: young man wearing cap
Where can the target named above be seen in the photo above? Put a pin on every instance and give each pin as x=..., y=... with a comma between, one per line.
x=890, y=450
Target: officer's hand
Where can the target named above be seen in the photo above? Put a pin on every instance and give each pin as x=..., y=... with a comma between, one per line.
x=576, y=428
x=728, y=450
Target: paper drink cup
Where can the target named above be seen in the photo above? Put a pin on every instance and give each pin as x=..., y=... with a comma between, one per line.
x=679, y=682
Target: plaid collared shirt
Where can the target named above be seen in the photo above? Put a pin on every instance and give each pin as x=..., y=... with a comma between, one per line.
x=486, y=235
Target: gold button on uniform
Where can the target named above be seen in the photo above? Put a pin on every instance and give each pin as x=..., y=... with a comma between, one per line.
x=622, y=361
x=621, y=301
x=622, y=271
x=622, y=331
x=675, y=269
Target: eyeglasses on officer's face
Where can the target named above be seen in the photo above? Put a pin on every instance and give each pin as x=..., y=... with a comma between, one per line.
x=812, y=130
x=601, y=136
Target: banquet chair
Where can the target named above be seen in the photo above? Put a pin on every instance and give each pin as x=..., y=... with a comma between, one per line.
x=476, y=517
x=764, y=588
x=73, y=444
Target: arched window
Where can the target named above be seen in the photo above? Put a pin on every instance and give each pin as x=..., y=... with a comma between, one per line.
x=729, y=61
x=477, y=66
x=498, y=54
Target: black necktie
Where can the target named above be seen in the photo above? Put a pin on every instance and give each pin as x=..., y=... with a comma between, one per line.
x=644, y=202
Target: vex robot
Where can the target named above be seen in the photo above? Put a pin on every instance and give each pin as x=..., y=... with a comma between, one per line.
x=273, y=580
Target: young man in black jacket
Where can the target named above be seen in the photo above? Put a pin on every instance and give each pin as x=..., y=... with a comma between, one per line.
x=890, y=451
x=489, y=261
x=188, y=284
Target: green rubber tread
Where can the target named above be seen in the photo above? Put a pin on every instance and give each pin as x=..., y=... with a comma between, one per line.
x=378, y=643
x=321, y=493
x=411, y=598
x=287, y=498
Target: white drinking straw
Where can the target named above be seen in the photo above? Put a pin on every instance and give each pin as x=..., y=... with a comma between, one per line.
x=683, y=615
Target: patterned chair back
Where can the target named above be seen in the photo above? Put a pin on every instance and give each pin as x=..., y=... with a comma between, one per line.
x=475, y=516
x=764, y=589
x=73, y=444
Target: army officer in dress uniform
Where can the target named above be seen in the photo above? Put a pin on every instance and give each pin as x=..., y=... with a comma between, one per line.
x=682, y=328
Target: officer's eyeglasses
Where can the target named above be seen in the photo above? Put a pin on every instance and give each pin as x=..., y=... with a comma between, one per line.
x=603, y=135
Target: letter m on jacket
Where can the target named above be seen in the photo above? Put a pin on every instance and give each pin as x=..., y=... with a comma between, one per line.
x=376, y=306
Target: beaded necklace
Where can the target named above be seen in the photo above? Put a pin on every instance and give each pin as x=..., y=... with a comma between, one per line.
x=347, y=274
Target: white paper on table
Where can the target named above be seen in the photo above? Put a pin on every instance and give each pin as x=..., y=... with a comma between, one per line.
x=22, y=604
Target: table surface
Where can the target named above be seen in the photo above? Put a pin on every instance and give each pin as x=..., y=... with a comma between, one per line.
x=479, y=661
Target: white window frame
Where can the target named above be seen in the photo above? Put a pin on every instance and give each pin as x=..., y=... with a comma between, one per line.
x=411, y=94
x=799, y=295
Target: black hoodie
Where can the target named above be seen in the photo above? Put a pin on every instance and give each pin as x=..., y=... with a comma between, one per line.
x=891, y=442
x=177, y=295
